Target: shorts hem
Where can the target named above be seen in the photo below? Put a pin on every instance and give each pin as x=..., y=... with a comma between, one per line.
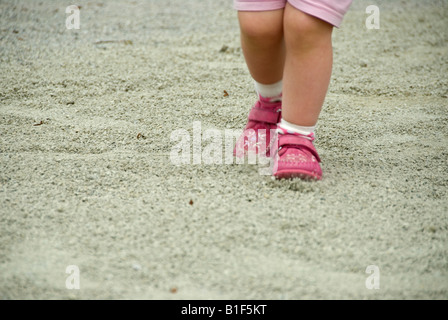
x=332, y=17
x=255, y=6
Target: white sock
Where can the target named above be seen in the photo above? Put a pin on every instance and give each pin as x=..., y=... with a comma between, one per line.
x=269, y=90
x=295, y=128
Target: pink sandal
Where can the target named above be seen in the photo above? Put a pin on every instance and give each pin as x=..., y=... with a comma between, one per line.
x=295, y=156
x=263, y=117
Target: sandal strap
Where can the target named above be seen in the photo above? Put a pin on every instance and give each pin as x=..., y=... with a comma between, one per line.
x=297, y=141
x=272, y=116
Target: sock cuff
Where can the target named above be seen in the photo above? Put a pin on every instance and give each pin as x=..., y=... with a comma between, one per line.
x=269, y=90
x=296, y=128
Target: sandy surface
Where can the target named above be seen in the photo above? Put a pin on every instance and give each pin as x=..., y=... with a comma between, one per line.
x=81, y=188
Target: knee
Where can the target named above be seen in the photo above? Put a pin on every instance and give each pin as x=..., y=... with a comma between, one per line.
x=260, y=28
x=303, y=30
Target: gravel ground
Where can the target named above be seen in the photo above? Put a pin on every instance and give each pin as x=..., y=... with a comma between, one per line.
x=86, y=178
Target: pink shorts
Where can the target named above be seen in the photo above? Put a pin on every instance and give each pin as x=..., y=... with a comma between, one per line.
x=331, y=11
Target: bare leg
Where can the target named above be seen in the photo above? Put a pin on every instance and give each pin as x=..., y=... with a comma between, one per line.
x=307, y=72
x=263, y=44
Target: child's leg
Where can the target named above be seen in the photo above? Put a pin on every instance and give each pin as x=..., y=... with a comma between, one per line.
x=263, y=44
x=307, y=72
